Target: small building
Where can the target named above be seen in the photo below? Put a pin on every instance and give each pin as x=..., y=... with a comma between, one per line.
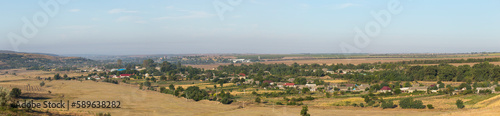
x=289, y=84
x=125, y=75
x=311, y=87
x=385, y=89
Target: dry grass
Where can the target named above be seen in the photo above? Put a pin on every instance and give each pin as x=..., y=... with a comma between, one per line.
x=139, y=102
x=353, y=61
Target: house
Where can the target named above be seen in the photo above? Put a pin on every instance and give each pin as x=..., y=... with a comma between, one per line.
x=125, y=75
x=348, y=85
x=385, y=89
x=289, y=84
x=248, y=81
x=413, y=89
x=361, y=87
x=491, y=88
x=331, y=72
x=268, y=82
x=311, y=87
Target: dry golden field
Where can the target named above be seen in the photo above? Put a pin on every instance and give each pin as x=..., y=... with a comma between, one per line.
x=353, y=61
x=151, y=103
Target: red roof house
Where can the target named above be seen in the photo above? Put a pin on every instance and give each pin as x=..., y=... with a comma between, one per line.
x=289, y=84
x=125, y=75
x=268, y=81
x=242, y=74
x=385, y=89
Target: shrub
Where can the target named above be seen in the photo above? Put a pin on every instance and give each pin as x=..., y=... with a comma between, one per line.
x=328, y=95
x=397, y=91
x=387, y=104
x=361, y=105
x=257, y=100
x=15, y=93
x=42, y=84
x=279, y=103
x=460, y=104
x=430, y=106
x=487, y=91
x=304, y=110
x=408, y=103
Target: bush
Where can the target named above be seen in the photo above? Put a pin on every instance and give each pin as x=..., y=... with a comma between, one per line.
x=42, y=84
x=279, y=103
x=304, y=110
x=257, y=100
x=460, y=104
x=387, y=104
x=361, y=105
x=430, y=106
x=397, y=91
x=487, y=91
x=408, y=103
x=328, y=95
x=15, y=93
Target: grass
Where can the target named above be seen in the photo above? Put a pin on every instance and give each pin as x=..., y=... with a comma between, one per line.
x=478, y=98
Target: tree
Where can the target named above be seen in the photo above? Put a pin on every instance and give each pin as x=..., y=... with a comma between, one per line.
x=430, y=106
x=65, y=76
x=328, y=95
x=194, y=92
x=163, y=78
x=408, y=103
x=387, y=104
x=119, y=62
x=460, y=104
x=171, y=87
x=15, y=93
x=42, y=84
x=304, y=110
x=257, y=99
x=407, y=84
x=397, y=91
x=147, y=84
x=148, y=63
x=305, y=90
x=57, y=76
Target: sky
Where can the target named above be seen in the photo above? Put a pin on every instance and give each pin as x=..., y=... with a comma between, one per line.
x=132, y=27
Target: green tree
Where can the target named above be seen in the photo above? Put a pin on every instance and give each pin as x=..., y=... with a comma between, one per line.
x=42, y=84
x=257, y=99
x=460, y=104
x=163, y=78
x=328, y=95
x=119, y=62
x=407, y=84
x=305, y=90
x=430, y=106
x=15, y=93
x=57, y=76
x=387, y=104
x=397, y=91
x=171, y=87
x=304, y=110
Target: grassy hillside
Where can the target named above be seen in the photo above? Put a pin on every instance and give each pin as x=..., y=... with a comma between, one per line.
x=27, y=60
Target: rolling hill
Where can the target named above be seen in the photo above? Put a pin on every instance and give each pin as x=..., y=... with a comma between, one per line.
x=10, y=60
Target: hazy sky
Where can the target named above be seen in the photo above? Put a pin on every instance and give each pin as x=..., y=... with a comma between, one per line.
x=250, y=26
